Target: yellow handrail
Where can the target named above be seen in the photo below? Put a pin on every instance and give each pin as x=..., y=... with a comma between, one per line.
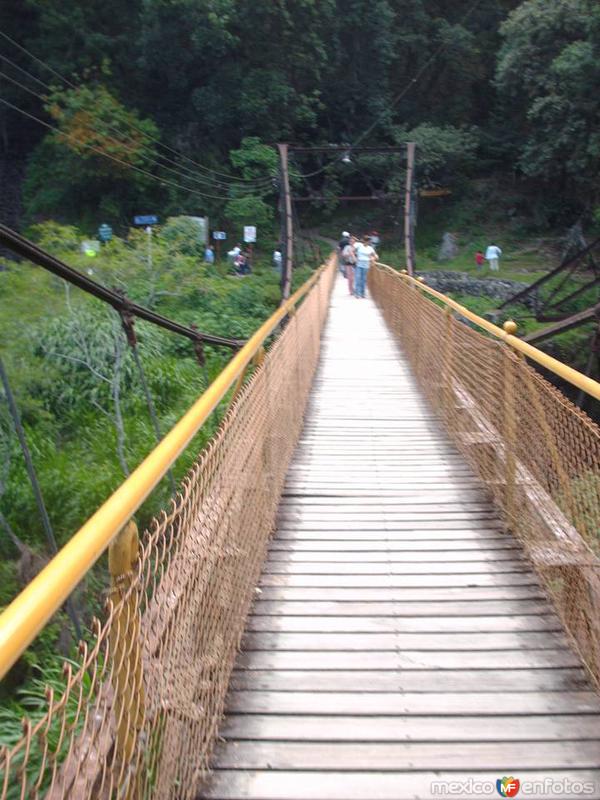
x=568, y=374
x=40, y=600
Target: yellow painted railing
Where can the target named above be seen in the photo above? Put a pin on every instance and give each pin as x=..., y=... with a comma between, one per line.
x=31, y=610
x=505, y=334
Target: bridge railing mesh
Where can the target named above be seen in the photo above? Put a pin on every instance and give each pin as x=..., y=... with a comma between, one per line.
x=139, y=712
x=538, y=454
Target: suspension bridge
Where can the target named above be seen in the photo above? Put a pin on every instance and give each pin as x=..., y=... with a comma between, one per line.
x=379, y=580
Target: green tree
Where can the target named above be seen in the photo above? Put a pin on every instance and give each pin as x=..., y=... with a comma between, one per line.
x=548, y=76
x=100, y=158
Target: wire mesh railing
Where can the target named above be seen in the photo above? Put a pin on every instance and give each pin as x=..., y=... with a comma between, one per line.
x=538, y=454
x=138, y=710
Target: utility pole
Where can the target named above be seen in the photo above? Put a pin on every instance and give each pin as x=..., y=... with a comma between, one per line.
x=408, y=209
x=286, y=208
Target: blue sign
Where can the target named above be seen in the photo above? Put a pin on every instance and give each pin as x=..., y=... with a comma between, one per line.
x=219, y=236
x=105, y=233
x=145, y=219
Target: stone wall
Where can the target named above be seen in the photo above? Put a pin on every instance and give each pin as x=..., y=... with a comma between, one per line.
x=500, y=289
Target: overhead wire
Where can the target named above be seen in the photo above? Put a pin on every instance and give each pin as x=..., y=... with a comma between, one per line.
x=182, y=175
x=182, y=171
x=69, y=83
x=111, y=157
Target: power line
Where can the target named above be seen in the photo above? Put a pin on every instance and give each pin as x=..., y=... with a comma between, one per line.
x=19, y=84
x=24, y=71
x=135, y=127
x=113, y=158
x=133, y=149
x=181, y=169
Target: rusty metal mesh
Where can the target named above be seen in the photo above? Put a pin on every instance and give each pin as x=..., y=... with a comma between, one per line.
x=538, y=454
x=140, y=709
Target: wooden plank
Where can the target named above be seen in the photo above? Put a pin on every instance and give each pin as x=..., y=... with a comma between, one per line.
x=400, y=581
x=321, y=728
x=403, y=542
x=402, y=641
x=426, y=495
x=413, y=525
x=363, y=557
x=418, y=512
x=392, y=568
x=394, y=756
x=407, y=659
x=429, y=510
x=464, y=680
x=470, y=594
x=314, y=785
x=396, y=624
x=423, y=547
x=446, y=501
x=409, y=609
x=425, y=532
x=409, y=703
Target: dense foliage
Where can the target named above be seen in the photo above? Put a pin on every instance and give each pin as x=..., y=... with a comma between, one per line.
x=79, y=390
x=503, y=87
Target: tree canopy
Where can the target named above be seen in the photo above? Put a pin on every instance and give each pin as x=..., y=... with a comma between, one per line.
x=497, y=85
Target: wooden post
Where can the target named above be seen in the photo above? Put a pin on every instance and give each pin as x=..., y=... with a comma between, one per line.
x=126, y=657
x=286, y=277
x=408, y=211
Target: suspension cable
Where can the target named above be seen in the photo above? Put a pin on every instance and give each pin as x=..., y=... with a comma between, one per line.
x=23, y=247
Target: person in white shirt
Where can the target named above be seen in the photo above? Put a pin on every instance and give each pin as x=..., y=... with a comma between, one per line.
x=492, y=255
x=365, y=256
x=233, y=254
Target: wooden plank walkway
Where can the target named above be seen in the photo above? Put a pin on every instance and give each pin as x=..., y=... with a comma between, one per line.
x=399, y=638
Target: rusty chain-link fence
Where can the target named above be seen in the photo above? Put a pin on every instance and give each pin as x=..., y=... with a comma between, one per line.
x=140, y=708
x=536, y=452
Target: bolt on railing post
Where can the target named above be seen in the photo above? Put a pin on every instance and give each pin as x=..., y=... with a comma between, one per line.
x=126, y=656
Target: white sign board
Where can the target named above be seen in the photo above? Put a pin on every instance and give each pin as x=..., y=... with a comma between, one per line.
x=202, y=224
x=249, y=234
x=219, y=236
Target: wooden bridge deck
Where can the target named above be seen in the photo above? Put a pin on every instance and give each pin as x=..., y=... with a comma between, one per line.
x=399, y=638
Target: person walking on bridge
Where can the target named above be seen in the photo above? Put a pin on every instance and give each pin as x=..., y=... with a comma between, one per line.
x=348, y=262
x=365, y=257
x=345, y=240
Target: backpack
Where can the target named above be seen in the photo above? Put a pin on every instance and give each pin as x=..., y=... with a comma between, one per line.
x=348, y=255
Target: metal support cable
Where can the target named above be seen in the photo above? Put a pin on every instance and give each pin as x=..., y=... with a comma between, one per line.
x=128, y=326
x=23, y=247
x=35, y=485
